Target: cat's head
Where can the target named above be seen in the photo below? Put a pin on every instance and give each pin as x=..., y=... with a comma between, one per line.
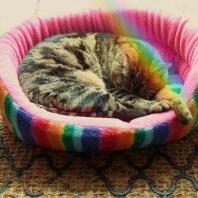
x=154, y=77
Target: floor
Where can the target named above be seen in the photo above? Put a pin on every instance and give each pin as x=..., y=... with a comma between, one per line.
x=169, y=171
x=14, y=12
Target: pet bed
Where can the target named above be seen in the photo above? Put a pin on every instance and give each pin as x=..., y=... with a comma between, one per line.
x=177, y=44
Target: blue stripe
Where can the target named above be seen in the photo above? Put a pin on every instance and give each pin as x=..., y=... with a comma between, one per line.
x=175, y=79
x=90, y=139
x=172, y=70
x=160, y=133
x=24, y=124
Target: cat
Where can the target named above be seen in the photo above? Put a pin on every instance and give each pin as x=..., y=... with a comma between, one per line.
x=98, y=74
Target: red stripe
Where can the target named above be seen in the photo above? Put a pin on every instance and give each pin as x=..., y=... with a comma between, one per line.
x=108, y=139
x=39, y=131
x=175, y=129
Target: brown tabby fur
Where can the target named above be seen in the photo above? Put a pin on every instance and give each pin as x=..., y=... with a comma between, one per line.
x=95, y=74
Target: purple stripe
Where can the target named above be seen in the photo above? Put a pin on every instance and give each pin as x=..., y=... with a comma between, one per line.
x=24, y=124
x=90, y=139
x=160, y=133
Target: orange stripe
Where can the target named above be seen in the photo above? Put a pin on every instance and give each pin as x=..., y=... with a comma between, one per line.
x=116, y=26
x=54, y=134
x=3, y=93
x=125, y=139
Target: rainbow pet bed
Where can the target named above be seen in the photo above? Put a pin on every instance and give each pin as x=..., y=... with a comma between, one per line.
x=177, y=44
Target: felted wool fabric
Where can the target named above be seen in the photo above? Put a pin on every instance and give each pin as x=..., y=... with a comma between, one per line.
x=176, y=43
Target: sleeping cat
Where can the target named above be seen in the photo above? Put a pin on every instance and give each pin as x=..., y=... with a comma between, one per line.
x=98, y=74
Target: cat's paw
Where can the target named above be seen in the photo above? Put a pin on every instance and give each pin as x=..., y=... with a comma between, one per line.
x=186, y=118
x=182, y=111
x=177, y=104
x=158, y=106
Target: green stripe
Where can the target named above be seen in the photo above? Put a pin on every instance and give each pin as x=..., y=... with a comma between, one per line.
x=8, y=105
x=139, y=138
x=148, y=132
x=176, y=88
x=195, y=97
x=67, y=137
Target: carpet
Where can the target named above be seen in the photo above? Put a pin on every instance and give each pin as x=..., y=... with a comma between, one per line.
x=165, y=171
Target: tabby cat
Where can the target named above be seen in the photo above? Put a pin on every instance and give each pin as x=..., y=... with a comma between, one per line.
x=98, y=74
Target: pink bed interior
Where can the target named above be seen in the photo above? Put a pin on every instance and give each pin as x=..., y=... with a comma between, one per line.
x=17, y=42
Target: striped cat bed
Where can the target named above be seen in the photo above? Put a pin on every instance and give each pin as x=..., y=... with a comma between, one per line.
x=176, y=43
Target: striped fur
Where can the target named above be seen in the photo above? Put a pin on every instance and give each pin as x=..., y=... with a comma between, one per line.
x=97, y=74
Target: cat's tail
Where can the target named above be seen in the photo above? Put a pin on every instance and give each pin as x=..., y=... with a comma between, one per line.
x=177, y=104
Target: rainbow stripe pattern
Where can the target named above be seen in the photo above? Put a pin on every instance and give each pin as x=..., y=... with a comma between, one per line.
x=176, y=42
